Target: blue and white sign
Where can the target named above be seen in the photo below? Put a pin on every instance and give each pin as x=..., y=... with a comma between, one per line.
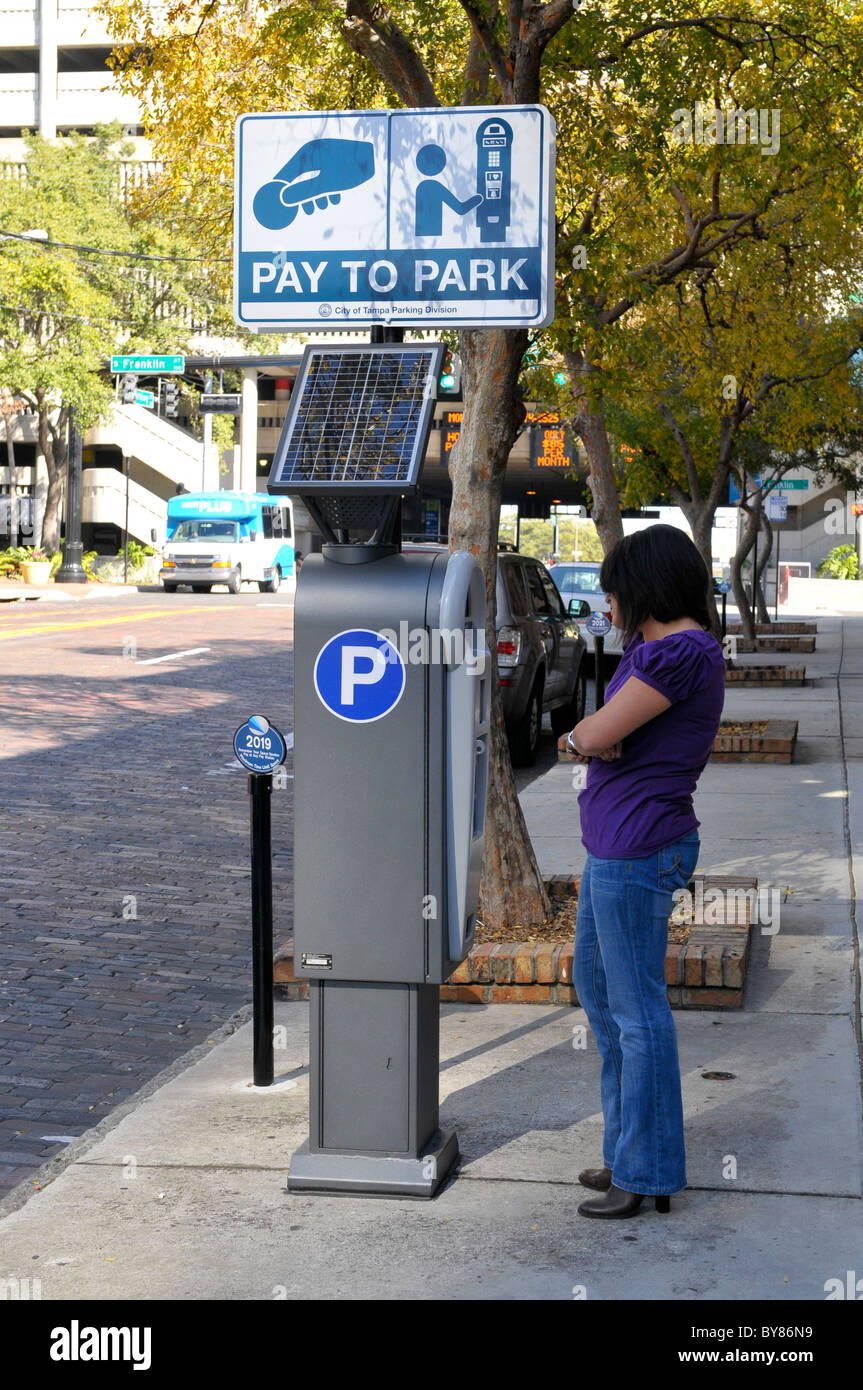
x=259, y=746
x=598, y=624
x=776, y=506
x=723, y=586
x=359, y=676
x=438, y=216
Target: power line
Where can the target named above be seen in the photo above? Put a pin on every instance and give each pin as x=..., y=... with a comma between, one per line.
x=100, y=251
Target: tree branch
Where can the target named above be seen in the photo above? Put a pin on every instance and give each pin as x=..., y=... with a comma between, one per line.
x=378, y=39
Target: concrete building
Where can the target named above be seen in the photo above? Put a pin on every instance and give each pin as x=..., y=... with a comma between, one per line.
x=54, y=75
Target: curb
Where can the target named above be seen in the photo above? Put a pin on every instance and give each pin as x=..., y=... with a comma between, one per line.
x=706, y=972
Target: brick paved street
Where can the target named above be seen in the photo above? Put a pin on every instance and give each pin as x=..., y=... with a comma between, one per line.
x=124, y=881
x=124, y=890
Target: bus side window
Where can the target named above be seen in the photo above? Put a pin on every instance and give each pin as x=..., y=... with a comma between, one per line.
x=267, y=517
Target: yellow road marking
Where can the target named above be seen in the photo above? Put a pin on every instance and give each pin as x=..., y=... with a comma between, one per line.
x=38, y=628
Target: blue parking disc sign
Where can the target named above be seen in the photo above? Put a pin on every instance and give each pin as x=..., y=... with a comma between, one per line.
x=259, y=746
x=724, y=586
x=359, y=676
x=598, y=624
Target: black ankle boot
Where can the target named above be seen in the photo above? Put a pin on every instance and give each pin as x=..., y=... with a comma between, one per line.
x=618, y=1203
x=598, y=1178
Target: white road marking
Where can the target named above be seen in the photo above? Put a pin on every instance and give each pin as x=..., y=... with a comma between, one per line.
x=172, y=656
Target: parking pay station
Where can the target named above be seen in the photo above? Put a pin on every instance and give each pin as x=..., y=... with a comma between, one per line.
x=391, y=705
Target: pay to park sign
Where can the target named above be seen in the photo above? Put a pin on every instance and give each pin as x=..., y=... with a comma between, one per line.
x=439, y=216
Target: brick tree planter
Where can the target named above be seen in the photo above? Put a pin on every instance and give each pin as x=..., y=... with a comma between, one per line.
x=706, y=972
x=765, y=675
x=774, y=745
x=798, y=645
x=780, y=629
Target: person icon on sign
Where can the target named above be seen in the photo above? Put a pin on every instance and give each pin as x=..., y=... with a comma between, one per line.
x=431, y=195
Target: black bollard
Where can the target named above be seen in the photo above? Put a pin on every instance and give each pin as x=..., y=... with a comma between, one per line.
x=260, y=792
x=599, y=661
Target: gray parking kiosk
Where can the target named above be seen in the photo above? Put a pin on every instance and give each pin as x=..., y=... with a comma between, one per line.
x=391, y=704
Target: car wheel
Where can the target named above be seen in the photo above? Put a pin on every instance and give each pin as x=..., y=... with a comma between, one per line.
x=271, y=586
x=524, y=738
x=170, y=588
x=565, y=717
x=235, y=583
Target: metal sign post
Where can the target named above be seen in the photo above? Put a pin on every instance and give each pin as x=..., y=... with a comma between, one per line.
x=724, y=586
x=598, y=624
x=260, y=748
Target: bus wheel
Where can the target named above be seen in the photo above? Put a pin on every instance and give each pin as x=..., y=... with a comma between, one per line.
x=235, y=583
x=271, y=586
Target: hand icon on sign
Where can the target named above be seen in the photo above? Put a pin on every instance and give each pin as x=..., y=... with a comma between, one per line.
x=317, y=175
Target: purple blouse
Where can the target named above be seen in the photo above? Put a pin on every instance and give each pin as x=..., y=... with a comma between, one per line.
x=642, y=801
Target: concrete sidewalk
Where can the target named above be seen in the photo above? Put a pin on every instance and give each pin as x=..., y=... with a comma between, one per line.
x=13, y=591
x=182, y=1195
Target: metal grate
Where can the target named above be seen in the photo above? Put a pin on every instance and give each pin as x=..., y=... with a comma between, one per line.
x=359, y=419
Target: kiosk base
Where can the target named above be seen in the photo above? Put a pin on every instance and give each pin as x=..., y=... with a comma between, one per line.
x=373, y=1092
x=373, y=1175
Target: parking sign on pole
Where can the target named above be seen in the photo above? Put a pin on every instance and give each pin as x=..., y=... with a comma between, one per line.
x=440, y=216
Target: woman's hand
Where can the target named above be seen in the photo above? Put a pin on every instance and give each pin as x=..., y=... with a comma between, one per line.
x=609, y=754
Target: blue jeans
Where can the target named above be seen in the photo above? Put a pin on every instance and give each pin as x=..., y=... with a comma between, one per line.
x=621, y=934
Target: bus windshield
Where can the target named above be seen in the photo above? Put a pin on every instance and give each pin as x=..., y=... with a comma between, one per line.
x=204, y=529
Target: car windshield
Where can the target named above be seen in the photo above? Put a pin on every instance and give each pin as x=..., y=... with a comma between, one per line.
x=577, y=581
x=203, y=529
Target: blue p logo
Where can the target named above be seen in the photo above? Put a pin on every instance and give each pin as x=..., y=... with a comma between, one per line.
x=359, y=676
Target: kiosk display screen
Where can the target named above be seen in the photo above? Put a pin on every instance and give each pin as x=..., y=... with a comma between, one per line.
x=359, y=419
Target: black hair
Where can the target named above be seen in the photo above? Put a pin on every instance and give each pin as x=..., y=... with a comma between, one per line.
x=656, y=573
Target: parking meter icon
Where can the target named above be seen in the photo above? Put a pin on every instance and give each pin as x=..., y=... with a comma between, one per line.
x=494, y=178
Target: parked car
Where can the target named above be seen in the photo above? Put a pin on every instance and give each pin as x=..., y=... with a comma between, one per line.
x=580, y=580
x=540, y=653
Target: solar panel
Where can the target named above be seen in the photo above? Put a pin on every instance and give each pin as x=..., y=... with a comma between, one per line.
x=359, y=419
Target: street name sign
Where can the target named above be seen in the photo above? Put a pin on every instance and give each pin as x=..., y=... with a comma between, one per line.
x=145, y=398
x=432, y=217
x=154, y=364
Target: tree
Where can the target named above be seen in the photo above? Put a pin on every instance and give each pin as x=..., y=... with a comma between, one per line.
x=649, y=196
x=91, y=282
x=751, y=373
x=211, y=59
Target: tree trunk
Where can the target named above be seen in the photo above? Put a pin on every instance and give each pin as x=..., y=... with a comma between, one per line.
x=747, y=540
x=53, y=444
x=764, y=553
x=512, y=891
x=592, y=431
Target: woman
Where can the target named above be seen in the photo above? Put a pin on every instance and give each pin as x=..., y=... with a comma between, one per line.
x=647, y=747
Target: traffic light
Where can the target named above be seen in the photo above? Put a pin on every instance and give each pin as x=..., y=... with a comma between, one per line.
x=172, y=397
x=130, y=386
x=449, y=383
